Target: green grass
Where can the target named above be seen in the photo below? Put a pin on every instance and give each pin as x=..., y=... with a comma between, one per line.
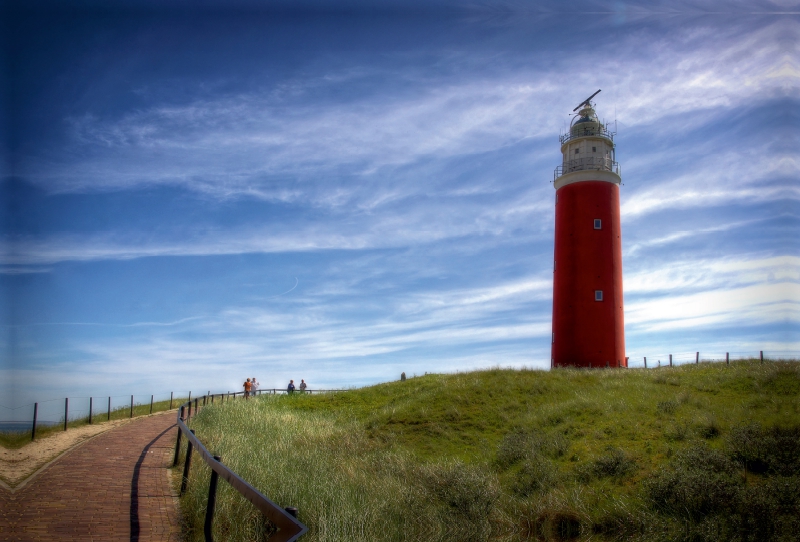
x=697, y=452
x=18, y=439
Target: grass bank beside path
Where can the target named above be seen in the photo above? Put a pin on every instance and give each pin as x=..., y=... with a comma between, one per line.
x=14, y=440
x=696, y=452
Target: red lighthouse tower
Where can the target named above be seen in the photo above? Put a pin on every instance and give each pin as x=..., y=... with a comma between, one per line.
x=588, y=324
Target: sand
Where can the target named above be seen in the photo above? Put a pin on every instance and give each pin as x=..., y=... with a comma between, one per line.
x=16, y=466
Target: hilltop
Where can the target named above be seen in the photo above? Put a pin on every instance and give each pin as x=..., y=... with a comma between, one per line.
x=701, y=452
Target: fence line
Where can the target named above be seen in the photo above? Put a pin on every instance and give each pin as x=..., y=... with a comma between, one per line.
x=697, y=357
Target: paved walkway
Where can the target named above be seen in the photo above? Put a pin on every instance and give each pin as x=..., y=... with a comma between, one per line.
x=114, y=487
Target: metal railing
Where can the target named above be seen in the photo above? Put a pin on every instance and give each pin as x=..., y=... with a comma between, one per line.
x=602, y=163
x=586, y=131
x=285, y=519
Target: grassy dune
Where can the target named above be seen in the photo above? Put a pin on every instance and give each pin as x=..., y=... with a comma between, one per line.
x=698, y=452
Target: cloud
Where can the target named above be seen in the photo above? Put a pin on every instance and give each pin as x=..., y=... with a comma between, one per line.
x=249, y=144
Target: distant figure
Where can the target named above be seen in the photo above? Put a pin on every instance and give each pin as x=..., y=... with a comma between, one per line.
x=303, y=385
x=403, y=376
x=253, y=386
x=290, y=387
x=247, y=387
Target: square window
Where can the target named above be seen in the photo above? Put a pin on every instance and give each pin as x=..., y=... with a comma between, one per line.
x=594, y=149
x=598, y=295
x=577, y=151
x=598, y=224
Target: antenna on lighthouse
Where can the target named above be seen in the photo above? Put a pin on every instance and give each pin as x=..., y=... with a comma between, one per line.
x=586, y=101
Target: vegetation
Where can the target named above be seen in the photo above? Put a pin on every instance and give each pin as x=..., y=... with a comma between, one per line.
x=697, y=452
x=18, y=439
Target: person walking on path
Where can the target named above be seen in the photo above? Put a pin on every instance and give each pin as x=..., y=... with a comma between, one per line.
x=247, y=387
x=290, y=387
x=303, y=385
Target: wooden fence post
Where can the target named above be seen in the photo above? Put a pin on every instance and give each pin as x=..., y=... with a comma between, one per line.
x=109, y=409
x=761, y=355
x=90, y=411
x=131, y=406
x=212, y=502
x=696, y=358
x=151, y=404
x=66, y=412
x=645, y=362
x=187, y=465
x=670, y=360
x=170, y=399
x=35, y=414
x=727, y=358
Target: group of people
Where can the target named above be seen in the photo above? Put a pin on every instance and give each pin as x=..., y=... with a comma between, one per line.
x=290, y=387
x=251, y=387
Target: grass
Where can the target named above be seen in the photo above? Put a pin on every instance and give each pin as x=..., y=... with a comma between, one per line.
x=18, y=439
x=697, y=452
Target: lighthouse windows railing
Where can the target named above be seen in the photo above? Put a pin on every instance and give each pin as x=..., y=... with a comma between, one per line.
x=586, y=132
x=603, y=163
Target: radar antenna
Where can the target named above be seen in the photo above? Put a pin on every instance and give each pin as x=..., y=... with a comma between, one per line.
x=586, y=101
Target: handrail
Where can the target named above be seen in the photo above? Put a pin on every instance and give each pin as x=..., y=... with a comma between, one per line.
x=290, y=529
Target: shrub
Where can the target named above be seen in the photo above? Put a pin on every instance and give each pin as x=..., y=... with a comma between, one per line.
x=708, y=429
x=614, y=464
x=775, y=450
x=699, y=482
x=529, y=443
x=667, y=407
x=537, y=474
x=465, y=490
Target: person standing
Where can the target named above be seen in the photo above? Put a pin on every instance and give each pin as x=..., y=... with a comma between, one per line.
x=253, y=386
x=303, y=385
x=247, y=387
x=290, y=387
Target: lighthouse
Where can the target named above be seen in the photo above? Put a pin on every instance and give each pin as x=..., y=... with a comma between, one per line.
x=588, y=319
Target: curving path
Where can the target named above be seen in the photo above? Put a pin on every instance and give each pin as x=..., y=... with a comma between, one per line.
x=115, y=486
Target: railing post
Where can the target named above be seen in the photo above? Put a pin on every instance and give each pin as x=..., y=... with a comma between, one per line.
x=189, y=415
x=645, y=362
x=186, y=465
x=727, y=358
x=190, y=396
x=670, y=360
x=170, y=399
x=761, y=355
x=195, y=407
x=35, y=414
x=212, y=501
x=109, y=408
x=66, y=412
x=131, y=406
x=177, y=448
x=696, y=358
x=90, y=411
x=151, y=404
x=292, y=511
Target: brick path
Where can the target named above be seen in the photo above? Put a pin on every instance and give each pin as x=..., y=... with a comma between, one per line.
x=113, y=487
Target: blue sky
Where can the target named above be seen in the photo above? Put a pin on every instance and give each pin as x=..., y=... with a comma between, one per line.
x=191, y=198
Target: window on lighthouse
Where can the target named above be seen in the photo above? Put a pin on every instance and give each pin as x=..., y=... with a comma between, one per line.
x=598, y=224
x=598, y=295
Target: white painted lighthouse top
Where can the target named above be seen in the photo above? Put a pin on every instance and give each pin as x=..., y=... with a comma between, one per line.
x=588, y=151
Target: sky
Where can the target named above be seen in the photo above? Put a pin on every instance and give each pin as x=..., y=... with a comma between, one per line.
x=344, y=192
